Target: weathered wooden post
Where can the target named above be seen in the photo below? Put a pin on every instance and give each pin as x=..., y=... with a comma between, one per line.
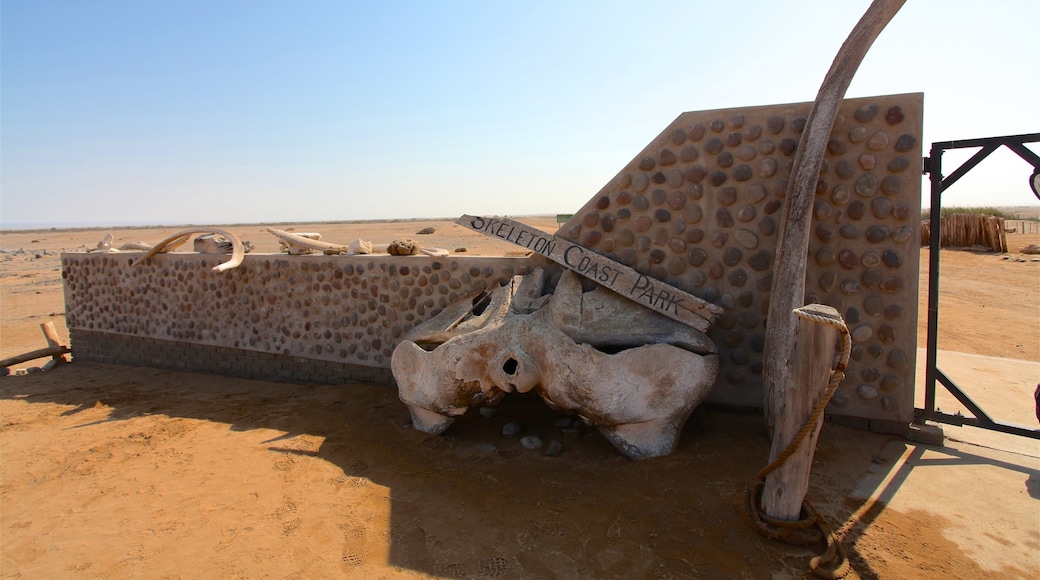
x=811, y=375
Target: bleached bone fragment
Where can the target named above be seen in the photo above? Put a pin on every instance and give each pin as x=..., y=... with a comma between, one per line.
x=212, y=244
x=359, y=246
x=135, y=247
x=104, y=245
x=238, y=252
x=298, y=244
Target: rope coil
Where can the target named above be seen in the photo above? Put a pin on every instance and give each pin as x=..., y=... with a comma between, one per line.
x=810, y=528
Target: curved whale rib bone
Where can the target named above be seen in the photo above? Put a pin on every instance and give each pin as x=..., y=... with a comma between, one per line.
x=238, y=252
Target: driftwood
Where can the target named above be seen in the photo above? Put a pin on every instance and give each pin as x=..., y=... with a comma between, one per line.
x=51, y=351
x=789, y=267
x=177, y=240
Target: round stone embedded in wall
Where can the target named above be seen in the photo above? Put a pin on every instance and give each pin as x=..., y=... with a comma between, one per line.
x=678, y=136
x=759, y=260
x=713, y=146
x=891, y=383
x=849, y=231
x=732, y=256
x=787, y=146
x=894, y=115
x=877, y=234
x=856, y=210
x=658, y=177
x=667, y=158
x=881, y=208
x=717, y=125
x=824, y=232
x=866, y=392
x=891, y=258
x=647, y=163
x=903, y=234
x=891, y=185
x=836, y=147
x=848, y=259
x=898, y=164
x=696, y=257
x=825, y=256
x=821, y=210
x=674, y=179
x=858, y=134
x=905, y=142
x=767, y=167
x=870, y=259
x=866, y=113
x=841, y=194
x=676, y=266
x=827, y=281
x=726, y=196
x=640, y=182
x=873, y=305
x=688, y=154
x=734, y=139
x=878, y=141
x=747, y=153
x=867, y=185
x=723, y=218
x=742, y=172
x=798, y=124
x=897, y=359
x=746, y=213
x=696, y=133
x=771, y=206
x=870, y=277
x=766, y=147
x=844, y=169
x=891, y=285
x=676, y=200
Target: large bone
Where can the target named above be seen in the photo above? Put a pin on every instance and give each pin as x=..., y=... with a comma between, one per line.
x=298, y=244
x=638, y=398
x=173, y=242
x=788, y=291
x=489, y=344
x=305, y=245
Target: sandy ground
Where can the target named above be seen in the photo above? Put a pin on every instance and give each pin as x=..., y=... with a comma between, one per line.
x=113, y=472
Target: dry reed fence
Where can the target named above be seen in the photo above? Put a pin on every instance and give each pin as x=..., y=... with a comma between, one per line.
x=962, y=230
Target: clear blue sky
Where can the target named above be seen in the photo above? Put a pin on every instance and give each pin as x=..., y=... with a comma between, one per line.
x=224, y=111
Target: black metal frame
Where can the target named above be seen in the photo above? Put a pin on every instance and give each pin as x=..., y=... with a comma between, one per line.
x=933, y=168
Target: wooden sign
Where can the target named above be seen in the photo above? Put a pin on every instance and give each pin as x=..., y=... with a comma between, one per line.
x=642, y=289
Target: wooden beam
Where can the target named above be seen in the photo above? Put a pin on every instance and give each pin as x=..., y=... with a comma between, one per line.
x=35, y=354
x=639, y=288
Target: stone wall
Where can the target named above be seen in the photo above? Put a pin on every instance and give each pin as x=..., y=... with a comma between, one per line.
x=698, y=208
x=327, y=319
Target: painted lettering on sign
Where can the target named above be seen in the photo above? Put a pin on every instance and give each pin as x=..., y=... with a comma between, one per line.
x=577, y=259
x=542, y=244
x=639, y=288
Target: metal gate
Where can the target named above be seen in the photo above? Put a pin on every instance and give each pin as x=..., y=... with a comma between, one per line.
x=933, y=168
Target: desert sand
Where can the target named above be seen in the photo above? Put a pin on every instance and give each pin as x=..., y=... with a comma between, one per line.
x=114, y=472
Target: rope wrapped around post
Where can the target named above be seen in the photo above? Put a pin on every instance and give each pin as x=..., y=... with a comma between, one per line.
x=810, y=527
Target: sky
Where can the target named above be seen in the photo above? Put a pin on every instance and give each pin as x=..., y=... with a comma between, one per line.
x=224, y=111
